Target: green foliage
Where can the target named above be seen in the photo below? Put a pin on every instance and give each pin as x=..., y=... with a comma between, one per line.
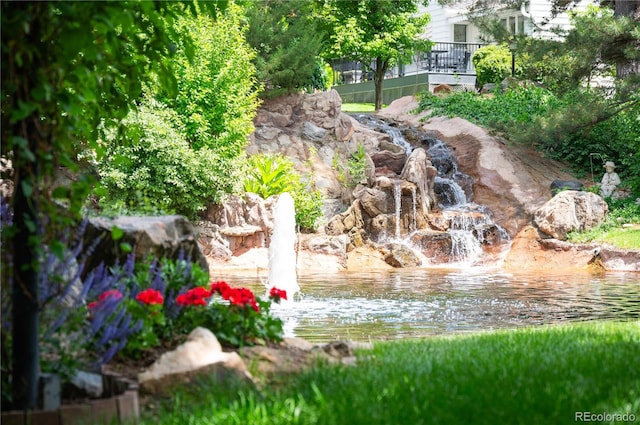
x=377, y=33
x=493, y=64
x=269, y=174
x=502, y=111
x=151, y=161
x=613, y=231
x=217, y=94
x=288, y=42
x=563, y=127
x=354, y=172
x=273, y=174
x=308, y=204
x=530, y=376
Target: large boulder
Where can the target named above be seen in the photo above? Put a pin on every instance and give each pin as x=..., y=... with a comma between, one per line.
x=200, y=355
x=169, y=236
x=570, y=211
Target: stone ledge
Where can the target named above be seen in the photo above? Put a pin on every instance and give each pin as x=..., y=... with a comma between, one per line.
x=120, y=407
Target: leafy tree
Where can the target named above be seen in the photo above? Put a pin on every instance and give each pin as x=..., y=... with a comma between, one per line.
x=602, y=39
x=377, y=33
x=288, y=42
x=67, y=68
x=217, y=94
x=180, y=156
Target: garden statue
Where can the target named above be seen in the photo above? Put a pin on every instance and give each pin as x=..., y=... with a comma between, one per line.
x=610, y=180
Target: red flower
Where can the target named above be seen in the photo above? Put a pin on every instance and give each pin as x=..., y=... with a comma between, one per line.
x=277, y=294
x=194, y=296
x=220, y=287
x=241, y=297
x=112, y=293
x=150, y=296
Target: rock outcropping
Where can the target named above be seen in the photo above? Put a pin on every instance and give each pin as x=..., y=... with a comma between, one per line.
x=160, y=236
x=571, y=211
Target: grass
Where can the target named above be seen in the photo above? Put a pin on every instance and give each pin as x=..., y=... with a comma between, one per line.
x=527, y=376
x=358, y=107
x=621, y=228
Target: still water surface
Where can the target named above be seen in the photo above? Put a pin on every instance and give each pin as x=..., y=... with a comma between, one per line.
x=414, y=303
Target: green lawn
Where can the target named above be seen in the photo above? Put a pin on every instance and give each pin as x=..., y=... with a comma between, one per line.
x=544, y=375
x=358, y=107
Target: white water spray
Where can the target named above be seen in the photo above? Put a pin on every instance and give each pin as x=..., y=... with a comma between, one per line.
x=397, y=197
x=282, y=254
x=414, y=203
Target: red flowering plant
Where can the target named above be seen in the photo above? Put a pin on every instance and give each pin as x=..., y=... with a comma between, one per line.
x=234, y=315
x=146, y=307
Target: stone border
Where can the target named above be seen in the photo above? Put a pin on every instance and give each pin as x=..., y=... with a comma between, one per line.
x=120, y=407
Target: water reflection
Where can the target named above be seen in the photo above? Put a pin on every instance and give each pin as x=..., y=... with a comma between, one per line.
x=404, y=303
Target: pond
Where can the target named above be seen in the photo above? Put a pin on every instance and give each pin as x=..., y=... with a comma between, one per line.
x=421, y=302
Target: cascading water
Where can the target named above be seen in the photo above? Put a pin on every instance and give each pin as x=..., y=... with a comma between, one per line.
x=282, y=255
x=384, y=127
x=468, y=223
x=414, y=209
x=397, y=197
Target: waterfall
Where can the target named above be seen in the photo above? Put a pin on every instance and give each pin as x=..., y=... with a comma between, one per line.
x=383, y=127
x=470, y=226
x=282, y=254
x=414, y=225
x=397, y=197
x=465, y=248
x=449, y=192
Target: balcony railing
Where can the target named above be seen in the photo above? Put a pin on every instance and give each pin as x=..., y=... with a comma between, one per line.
x=445, y=58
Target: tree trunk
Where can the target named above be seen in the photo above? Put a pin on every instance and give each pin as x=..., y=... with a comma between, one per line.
x=26, y=222
x=624, y=66
x=25, y=316
x=378, y=80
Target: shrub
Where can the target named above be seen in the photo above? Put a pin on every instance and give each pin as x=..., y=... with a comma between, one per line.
x=562, y=127
x=151, y=167
x=273, y=174
x=493, y=64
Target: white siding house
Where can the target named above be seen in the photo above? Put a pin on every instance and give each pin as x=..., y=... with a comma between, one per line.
x=450, y=23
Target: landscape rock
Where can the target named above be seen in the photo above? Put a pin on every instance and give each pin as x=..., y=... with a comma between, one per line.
x=569, y=211
x=390, y=160
x=170, y=236
x=312, y=132
x=400, y=255
x=200, y=355
x=419, y=171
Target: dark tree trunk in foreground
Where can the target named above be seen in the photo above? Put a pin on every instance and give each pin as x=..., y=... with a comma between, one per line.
x=31, y=134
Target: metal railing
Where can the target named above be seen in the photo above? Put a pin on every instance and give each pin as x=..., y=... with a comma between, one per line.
x=446, y=58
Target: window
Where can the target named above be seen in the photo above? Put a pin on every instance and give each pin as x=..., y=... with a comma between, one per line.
x=459, y=33
x=514, y=24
